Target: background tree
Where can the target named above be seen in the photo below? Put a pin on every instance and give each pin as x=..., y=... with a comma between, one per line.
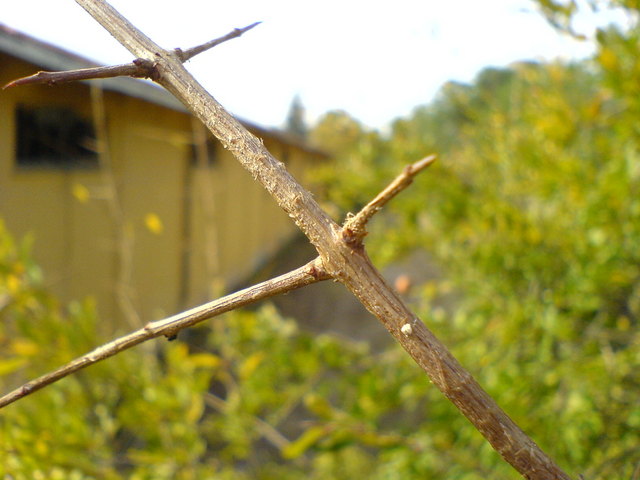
x=296, y=124
x=534, y=217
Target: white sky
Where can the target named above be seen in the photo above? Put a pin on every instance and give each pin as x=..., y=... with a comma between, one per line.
x=375, y=59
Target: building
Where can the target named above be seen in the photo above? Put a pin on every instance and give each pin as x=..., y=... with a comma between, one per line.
x=129, y=200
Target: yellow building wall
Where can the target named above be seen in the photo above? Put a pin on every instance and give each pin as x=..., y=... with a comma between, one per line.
x=249, y=226
x=151, y=153
x=80, y=243
x=210, y=226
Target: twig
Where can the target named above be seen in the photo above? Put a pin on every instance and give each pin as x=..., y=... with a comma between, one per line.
x=270, y=433
x=185, y=55
x=310, y=273
x=353, y=230
x=139, y=68
x=305, y=275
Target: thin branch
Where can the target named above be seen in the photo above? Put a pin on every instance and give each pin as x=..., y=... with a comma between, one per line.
x=354, y=229
x=139, y=68
x=169, y=327
x=185, y=55
x=266, y=430
x=310, y=273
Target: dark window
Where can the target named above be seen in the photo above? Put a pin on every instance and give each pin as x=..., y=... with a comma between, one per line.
x=54, y=137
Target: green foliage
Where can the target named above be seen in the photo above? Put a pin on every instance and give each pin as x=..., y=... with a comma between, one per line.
x=362, y=151
x=256, y=399
x=533, y=214
x=134, y=414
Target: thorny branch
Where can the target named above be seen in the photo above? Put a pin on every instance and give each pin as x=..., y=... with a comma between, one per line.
x=139, y=68
x=341, y=259
x=185, y=55
x=310, y=273
x=353, y=229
